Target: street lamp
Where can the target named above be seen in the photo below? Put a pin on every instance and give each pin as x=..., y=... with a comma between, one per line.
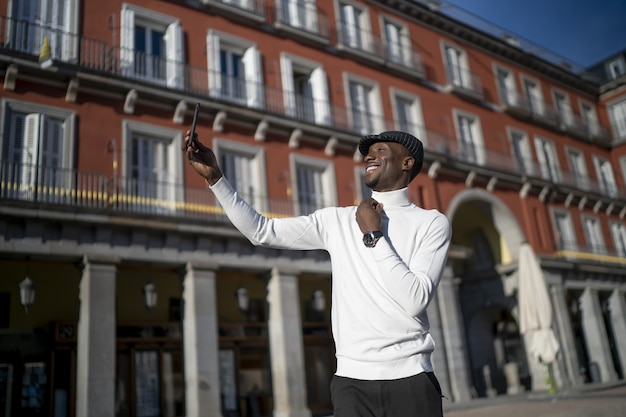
x=243, y=300
x=27, y=292
x=150, y=295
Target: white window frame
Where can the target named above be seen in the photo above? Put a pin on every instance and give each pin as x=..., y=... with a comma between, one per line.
x=520, y=149
x=534, y=95
x=564, y=230
x=361, y=191
x=615, y=68
x=617, y=113
x=355, y=29
x=373, y=114
x=548, y=159
x=457, y=66
x=469, y=131
x=27, y=179
x=397, y=41
x=326, y=194
x=314, y=104
x=563, y=107
x=578, y=167
x=505, y=83
x=301, y=14
x=618, y=231
x=589, y=116
x=622, y=164
x=173, y=37
x=253, y=70
x=26, y=30
x=593, y=234
x=253, y=174
x=171, y=175
x=605, y=175
x=414, y=114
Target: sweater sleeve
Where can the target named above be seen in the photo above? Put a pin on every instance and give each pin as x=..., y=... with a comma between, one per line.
x=302, y=232
x=413, y=286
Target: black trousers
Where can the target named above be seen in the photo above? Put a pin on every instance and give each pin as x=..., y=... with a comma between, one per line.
x=415, y=396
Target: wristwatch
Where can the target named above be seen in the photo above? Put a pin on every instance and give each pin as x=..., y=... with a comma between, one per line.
x=371, y=238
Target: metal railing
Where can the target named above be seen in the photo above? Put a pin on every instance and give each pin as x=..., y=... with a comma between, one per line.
x=460, y=77
x=303, y=15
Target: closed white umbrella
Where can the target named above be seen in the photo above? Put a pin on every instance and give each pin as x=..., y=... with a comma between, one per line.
x=535, y=308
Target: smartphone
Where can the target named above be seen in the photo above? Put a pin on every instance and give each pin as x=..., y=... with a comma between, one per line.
x=193, y=125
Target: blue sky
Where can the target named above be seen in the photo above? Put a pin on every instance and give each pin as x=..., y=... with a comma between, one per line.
x=584, y=32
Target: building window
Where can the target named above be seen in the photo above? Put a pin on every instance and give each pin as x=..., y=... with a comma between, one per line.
x=590, y=118
x=397, y=43
x=616, y=68
x=408, y=114
x=470, y=137
x=151, y=46
x=314, y=184
x=235, y=72
x=566, y=238
x=36, y=20
x=606, y=179
x=506, y=86
x=362, y=191
x=622, y=163
x=548, y=162
x=563, y=108
x=152, y=167
x=305, y=90
x=593, y=233
x=457, y=67
x=579, y=168
x=364, y=106
x=37, y=152
x=534, y=97
x=617, y=112
x=300, y=14
x=520, y=149
x=618, y=230
x=355, y=27
x=244, y=167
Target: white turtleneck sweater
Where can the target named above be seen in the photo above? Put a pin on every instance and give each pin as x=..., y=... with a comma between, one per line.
x=380, y=294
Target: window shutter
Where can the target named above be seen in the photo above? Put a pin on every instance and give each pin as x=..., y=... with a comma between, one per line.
x=350, y=29
x=127, y=42
x=320, y=96
x=254, y=77
x=289, y=93
x=214, y=64
x=30, y=151
x=310, y=14
x=175, y=55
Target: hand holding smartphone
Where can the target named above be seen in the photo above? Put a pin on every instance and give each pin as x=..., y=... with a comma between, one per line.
x=193, y=125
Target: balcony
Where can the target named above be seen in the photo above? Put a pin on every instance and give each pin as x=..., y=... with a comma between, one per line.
x=302, y=19
x=463, y=82
x=251, y=10
x=360, y=43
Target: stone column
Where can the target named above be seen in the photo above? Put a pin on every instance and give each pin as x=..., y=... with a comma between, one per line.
x=200, y=343
x=595, y=336
x=439, y=359
x=95, y=351
x=565, y=336
x=286, y=350
x=618, y=320
x=455, y=345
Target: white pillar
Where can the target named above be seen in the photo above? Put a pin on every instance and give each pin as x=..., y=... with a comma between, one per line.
x=287, y=353
x=454, y=335
x=595, y=336
x=200, y=343
x=568, y=353
x=618, y=320
x=95, y=354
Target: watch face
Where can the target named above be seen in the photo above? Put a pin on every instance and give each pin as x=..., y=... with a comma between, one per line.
x=370, y=238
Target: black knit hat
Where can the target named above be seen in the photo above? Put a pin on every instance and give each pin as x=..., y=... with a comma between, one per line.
x=410, y=142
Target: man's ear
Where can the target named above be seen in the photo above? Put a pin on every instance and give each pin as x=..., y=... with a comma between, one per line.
x=407, y=163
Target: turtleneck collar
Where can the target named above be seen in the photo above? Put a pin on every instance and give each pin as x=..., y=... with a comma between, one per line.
x=395, y=198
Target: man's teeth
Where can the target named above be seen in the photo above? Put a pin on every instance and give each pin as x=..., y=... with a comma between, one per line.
x=372, y=168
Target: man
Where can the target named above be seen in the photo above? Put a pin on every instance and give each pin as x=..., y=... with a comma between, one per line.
x=387, y=257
